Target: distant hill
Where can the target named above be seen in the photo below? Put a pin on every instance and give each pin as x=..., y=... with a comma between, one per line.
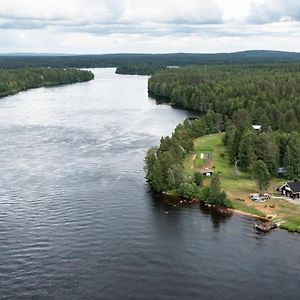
x=171, y=59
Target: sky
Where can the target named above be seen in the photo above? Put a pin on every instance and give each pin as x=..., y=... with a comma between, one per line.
x=152, y=26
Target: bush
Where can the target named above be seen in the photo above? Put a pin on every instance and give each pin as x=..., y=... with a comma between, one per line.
x=204, y=194
x=198, y=179
x=188, y=190
x=213, y=197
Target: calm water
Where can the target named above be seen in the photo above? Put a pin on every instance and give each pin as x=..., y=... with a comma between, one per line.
x=77, y=220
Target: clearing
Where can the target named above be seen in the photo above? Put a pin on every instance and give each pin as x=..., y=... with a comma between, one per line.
x=238, y=185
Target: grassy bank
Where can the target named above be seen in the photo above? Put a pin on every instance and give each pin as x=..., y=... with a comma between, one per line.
x=238, y=185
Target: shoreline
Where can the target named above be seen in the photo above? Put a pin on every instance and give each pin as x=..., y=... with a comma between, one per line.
x=218, y=208
x=7, y=94
x=177, y=200
x=244, y=213
x=15, y=81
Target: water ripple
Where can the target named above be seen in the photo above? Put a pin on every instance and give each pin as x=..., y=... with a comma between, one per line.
x=77, y=220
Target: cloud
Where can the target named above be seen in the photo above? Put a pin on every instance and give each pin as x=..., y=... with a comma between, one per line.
x=176, y=11
x=115, y=11
x=80, y=15
x=274, y=11
x=57, y=25
x=23, y=24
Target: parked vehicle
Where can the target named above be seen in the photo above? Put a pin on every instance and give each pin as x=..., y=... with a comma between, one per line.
x=254, y=197
x=260, y=197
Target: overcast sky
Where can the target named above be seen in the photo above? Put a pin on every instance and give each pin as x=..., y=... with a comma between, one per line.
x=156, y=26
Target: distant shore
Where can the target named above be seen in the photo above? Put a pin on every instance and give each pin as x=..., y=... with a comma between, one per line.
x=14, y=81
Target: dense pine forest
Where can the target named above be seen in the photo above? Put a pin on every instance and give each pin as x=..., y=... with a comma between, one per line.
x=139, y=69
x=16, y=80
x=269, y=93
x=232, y=98
x=171, y=59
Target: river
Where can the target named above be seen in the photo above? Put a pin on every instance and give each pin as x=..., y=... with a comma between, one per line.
x=78, y=221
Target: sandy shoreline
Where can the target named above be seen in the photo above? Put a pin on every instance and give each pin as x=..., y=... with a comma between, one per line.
x=179, y=199
x=240, y=212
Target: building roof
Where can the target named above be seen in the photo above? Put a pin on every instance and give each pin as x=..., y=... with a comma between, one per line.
x=256, y=127
x=295, y=186
x=206, y=170
x=281, y=170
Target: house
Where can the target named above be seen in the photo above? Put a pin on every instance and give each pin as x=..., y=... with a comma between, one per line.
x=290, y=189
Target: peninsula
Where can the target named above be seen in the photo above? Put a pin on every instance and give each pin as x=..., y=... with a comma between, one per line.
x=244, y=145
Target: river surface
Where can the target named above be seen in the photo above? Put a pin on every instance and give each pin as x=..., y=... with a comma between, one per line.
x=78, y=221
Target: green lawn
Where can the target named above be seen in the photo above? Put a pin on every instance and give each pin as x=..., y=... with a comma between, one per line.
x=236, y=185
x=240, y=185
x=290, y=214
x=213, y=144
x=239, y=205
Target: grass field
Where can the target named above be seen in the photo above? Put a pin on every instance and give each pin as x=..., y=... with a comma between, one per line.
x=239, y=186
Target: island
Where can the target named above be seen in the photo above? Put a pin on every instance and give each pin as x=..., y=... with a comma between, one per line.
x=241, y=151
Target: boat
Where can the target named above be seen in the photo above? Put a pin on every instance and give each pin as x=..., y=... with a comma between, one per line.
x=265, y=226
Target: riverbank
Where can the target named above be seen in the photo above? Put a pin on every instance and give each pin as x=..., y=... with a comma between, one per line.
x=176, y=200
x=239, y=185
x=14, y=92
x=15, y=81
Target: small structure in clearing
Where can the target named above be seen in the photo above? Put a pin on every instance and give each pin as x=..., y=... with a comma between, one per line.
x=206, y=172
x=207, y=165
x=256, y=127
x=282, y=171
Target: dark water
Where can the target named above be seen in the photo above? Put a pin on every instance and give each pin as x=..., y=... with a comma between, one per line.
x=77, y=220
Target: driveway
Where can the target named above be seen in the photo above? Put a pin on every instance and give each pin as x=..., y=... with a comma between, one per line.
x=293, y=201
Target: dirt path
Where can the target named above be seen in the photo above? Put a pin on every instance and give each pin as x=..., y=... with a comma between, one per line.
x=207, y=165
x=193, y=159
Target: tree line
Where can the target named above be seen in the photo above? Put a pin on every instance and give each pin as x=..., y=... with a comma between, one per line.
x=15, y=80
x=278, y=150
x=171, y=59
x=270, y=93
x=139, y=69
x=164, y=164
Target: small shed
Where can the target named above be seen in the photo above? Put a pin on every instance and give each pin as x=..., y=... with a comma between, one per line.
x=281, y=171
x=207, y=172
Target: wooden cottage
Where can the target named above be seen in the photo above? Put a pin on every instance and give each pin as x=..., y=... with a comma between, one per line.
x=290, y=189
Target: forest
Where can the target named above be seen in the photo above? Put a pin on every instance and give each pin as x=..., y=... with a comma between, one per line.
x=171, y=59
x=15, y=80
x=139, y=69
x=269, y=93
x=233, y=98
x=164, y=165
